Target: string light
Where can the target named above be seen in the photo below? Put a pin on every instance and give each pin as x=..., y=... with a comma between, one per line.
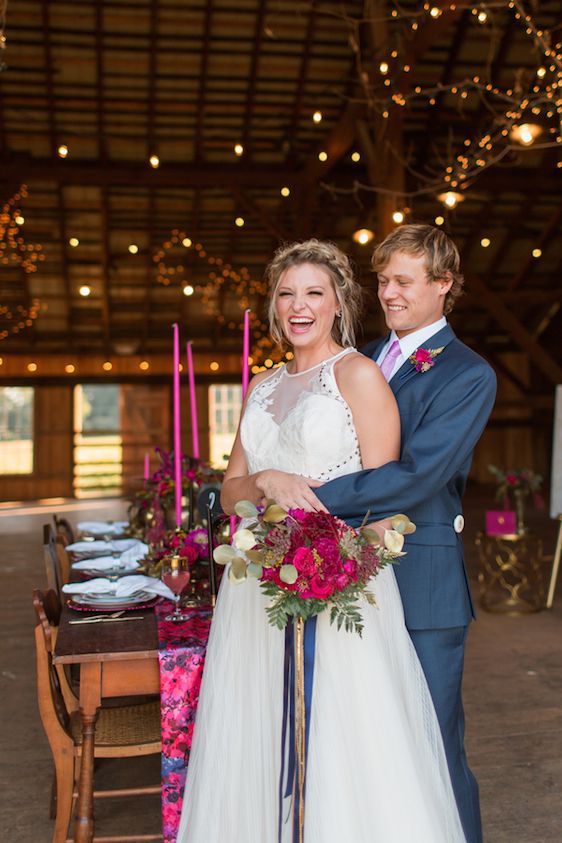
x=363, y=236
x=85, y=290
x=144, y=365
x=74, y=242
x=439, y=220
x=322, y=156
x=62, y=150
x=69, y=368
x=32, y=367
x=239, y=221
x=214, y=366
x=238, y=149
x=355, y=157
x=485, y=242
x=285, y=192
x=526, y=133
x=537, y=253
x=154, y=161
x=450, y=198
x=317, y=117
x=398, y=217
x=188, y=290
x=383, y=67
x=107, y=366
x=186, y=242
x=133, y=248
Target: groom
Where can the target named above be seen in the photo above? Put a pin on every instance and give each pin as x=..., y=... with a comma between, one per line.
x=445, y=393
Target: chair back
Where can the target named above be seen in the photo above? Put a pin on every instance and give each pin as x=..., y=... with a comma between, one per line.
x=54, y=713
x=63, y=530
x=52, y=561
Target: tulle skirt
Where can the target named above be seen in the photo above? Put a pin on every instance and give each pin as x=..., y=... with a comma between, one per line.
x=376, y=765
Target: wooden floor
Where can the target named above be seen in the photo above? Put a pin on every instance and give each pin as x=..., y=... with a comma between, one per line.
x=513, y=700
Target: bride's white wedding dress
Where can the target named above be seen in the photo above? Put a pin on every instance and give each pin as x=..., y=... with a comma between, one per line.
x=376, y=765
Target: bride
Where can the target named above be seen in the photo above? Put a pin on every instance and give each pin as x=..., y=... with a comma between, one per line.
x=376, y=768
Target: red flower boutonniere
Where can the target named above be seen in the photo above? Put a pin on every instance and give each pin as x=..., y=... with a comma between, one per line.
x=424, y=358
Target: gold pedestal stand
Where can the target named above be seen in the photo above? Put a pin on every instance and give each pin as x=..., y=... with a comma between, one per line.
x=512, y=574
x=555, y=566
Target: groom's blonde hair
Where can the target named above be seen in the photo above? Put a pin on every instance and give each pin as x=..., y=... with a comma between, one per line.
x=338, y=268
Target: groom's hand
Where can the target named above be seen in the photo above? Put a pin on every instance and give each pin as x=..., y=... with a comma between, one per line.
x=291, y=491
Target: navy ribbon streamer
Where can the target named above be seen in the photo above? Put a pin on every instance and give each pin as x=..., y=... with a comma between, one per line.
x=288, y=720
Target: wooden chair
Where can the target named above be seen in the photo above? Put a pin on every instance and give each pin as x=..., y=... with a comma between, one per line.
x=63, y=530
x=121, y=732
x=52, y=560
x=57, y=560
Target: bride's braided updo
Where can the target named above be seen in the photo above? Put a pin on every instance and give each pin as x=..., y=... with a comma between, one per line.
x=337, y=266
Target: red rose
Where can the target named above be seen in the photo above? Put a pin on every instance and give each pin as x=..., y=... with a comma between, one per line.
x=511, y=479
x=342, y=581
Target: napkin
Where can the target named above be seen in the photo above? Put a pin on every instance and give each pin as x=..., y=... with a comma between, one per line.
x=123, y=587
x=103, y=528
x=134, y=554
x=106, y=563
x=97, y=547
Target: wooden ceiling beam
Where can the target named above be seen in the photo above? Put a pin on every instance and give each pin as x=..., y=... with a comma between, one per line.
x=252, y=77
x=203, y=69
x=105, y=266
x=551, y=229
x=486, y=298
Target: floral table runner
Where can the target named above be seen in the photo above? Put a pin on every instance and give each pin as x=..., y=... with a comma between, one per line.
x=181, y=655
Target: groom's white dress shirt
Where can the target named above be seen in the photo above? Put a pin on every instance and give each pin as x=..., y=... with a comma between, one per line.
x=409, y=343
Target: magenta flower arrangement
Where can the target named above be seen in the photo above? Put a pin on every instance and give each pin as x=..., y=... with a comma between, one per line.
x=307, y=562
x=424, y=358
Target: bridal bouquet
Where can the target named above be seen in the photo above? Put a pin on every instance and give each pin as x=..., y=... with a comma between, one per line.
x=307, y=562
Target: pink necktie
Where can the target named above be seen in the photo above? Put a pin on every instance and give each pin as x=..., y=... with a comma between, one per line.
x=392, y=355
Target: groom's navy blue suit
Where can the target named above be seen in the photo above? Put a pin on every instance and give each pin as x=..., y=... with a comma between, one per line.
x=443, y=412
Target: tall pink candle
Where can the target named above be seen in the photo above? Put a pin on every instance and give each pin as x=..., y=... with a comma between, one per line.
x=146, y=467
x=245, y=353
x=177, y=434
x=193, y=403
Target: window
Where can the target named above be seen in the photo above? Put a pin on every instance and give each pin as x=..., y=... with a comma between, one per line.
x=225, y=403
x=98, y=447
x=16, y=430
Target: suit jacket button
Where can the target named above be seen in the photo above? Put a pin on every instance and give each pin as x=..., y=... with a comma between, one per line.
x=458, y=524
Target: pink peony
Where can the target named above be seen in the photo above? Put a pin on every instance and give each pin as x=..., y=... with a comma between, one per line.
x=342, y=581
x=303, y=560
x=321, y=589
x=188, y=552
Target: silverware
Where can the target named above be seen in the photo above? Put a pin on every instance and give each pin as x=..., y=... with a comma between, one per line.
x=107, y=619
x=100, y=617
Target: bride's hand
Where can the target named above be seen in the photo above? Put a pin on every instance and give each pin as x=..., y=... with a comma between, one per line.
x=291, y=491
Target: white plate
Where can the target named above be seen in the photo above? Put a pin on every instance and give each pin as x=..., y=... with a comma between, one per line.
x=108, y=599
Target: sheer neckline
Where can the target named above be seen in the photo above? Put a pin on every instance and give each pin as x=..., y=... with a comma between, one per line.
x=320, y=363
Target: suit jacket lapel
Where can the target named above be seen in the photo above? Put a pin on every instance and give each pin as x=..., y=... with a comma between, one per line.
x=408, y=369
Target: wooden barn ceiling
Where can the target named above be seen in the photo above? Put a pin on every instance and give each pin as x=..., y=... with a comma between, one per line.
x=425, y=95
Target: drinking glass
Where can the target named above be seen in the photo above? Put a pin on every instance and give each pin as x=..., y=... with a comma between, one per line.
x=176, y=575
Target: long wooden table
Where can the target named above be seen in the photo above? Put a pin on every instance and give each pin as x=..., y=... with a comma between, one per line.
x=116, y=659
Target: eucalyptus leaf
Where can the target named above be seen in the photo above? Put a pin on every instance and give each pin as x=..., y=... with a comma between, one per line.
x=274, y=514
x=223, y=554
x=400, y=522
x=255, y=570
x=256, y=556
x=244, y=539
x=245, y=509
x=239, y=568
x=372, y=536
x=288, y=574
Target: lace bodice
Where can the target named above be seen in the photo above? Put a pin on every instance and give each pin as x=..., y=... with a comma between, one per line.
x=301, y=423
